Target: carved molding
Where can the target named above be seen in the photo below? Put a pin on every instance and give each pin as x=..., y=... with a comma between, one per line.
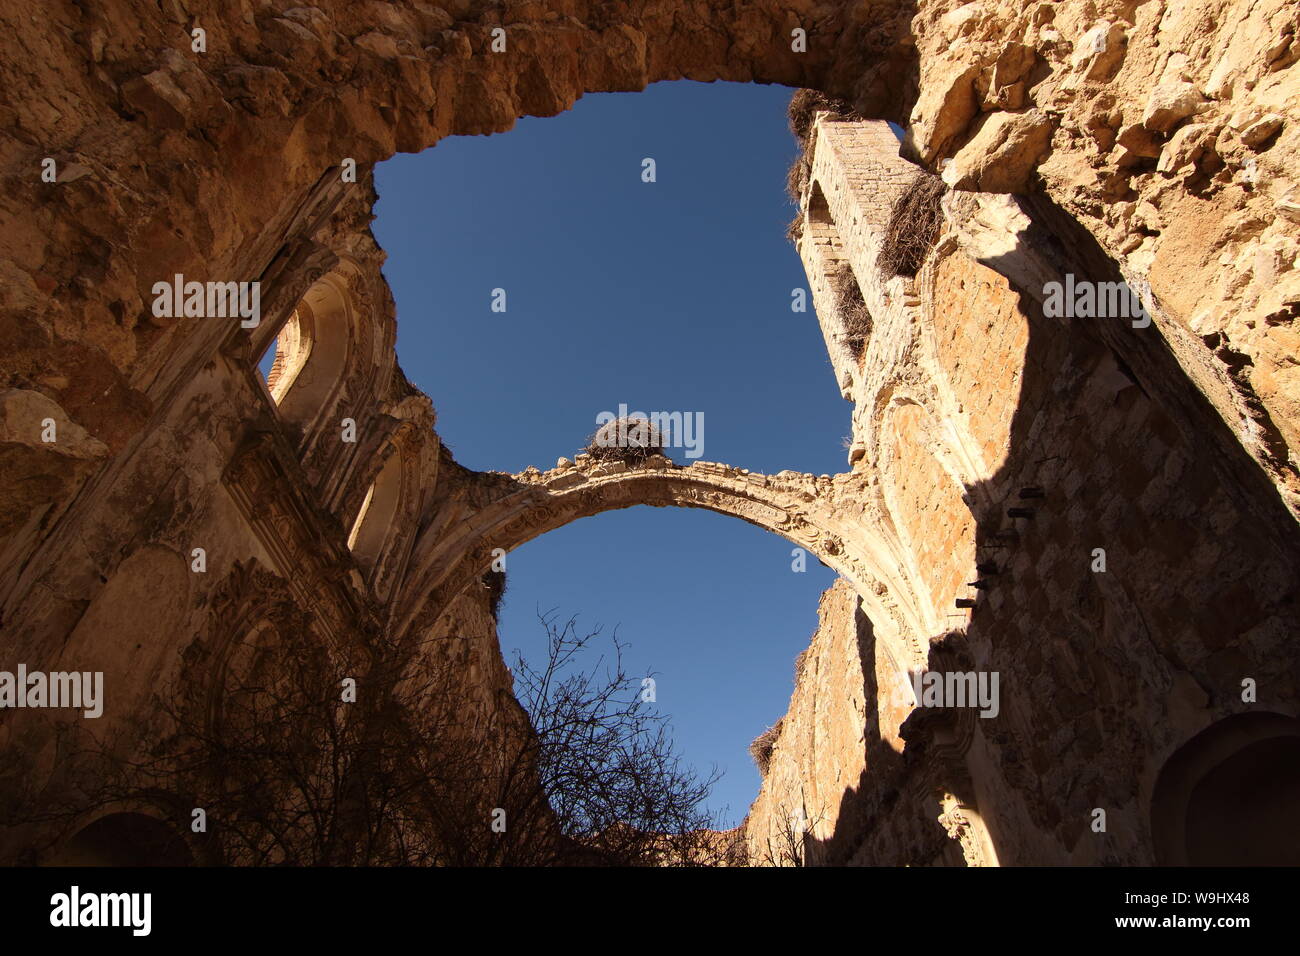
x=455, y=546
x=301, y=541
x=963, y=824
x=248, y=598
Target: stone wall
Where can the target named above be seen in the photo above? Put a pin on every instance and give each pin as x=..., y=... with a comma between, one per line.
x=969, y=402
x=229, y=504
x=1168, y=129
x=1146, y=140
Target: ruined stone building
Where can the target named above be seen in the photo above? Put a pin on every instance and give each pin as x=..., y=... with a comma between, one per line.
x=1099, y=509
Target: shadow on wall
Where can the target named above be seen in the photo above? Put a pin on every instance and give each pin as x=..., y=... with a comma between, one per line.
x=125, y=839
x=1199, y=590
x=1228, y=796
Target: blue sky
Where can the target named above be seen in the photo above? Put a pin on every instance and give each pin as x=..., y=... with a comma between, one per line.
x=667, y=296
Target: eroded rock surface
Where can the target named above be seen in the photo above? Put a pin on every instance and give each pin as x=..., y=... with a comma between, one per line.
x=1151, y=141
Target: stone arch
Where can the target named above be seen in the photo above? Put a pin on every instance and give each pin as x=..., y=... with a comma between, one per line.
x=292, y=350
x=335, y=363
x=374, y=521
x=382, y=518
x=896, y=389
x=456, y=546
x=818, y=222
x=1227, y=796
x=320, y=345
x=125, y=838
x=459, y=87
x=250, y=606
x=977, y=372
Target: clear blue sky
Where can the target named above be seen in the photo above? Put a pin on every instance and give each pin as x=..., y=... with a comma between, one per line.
x=667, y=296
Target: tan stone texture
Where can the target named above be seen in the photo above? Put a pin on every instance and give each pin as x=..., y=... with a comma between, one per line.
x=1145, y=141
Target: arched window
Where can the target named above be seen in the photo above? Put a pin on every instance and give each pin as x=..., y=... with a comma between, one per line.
x=325, y=321
x=819, y=223
x=306, y=363
x=286, y=357
x=375, y=519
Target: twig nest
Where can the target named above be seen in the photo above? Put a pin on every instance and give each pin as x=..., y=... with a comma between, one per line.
x=764, y=743
x=914, y=223
x=629, y=440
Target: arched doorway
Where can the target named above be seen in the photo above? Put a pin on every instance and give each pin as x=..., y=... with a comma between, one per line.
x=125, y=839
x=1227, y=797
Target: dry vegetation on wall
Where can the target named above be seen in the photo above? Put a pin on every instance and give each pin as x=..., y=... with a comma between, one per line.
x=761, y=748
x=806, y=104
x=629, y=440
x=494, y=582
x=801, y=661
x=796, y=181
x=803, y=109
x=790, y=845
x=913, y=226
x=854, y=317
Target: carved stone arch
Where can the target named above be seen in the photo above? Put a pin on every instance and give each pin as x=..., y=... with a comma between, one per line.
x=377, y=342
x=324, y=366
x=371, y=457
x=456, y=548
x=966, y=457
x=375, y=338
x=316, y=369
x=939, y=437
x=131, y=833
x=376, y=518
x=293, y=347
x=895, y=389
x=298, y=267
x=976, y=371
x=408, y=423
x=382, y=529
x=250, y=603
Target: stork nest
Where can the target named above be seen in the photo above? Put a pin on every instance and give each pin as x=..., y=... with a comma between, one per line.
x=494, y=582
x=630, y=440
x=855, y=319
x=914, y=223
x=803, y=108
x=761, y=748
x=805, y=104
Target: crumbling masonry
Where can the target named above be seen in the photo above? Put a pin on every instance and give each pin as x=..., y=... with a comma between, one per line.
x=1102, y=514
